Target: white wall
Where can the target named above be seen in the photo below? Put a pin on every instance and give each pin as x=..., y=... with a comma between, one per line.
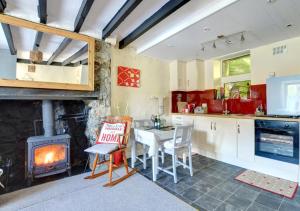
x=263, y=62
x=154, y=82
x=51, y=73
x=7, y=65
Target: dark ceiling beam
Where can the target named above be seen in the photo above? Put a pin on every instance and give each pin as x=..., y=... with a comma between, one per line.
x=7, y=31
x=125, y=10
x=79, y=53
x=83, y=12
x=60, y=49
x=2, y=5
x=9, y=38
x=42, y=13
x=166, y=10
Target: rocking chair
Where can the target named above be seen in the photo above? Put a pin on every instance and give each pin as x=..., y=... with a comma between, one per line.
x=110, y=149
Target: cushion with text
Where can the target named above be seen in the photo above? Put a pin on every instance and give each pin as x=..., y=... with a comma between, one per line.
x=110, y=133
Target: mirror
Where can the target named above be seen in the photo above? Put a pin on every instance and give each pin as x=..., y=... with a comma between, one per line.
x=47, y=58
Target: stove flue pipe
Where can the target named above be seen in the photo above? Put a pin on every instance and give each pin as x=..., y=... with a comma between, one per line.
x=48, y=118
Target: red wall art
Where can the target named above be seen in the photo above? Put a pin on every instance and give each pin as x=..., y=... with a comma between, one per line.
x=128, y=77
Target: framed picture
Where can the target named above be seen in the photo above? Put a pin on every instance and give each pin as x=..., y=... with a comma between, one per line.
x=129, y=77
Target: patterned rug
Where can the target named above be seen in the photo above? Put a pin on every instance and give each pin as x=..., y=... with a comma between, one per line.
x=269, y=183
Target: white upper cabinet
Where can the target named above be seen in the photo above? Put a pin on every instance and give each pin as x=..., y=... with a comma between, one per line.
x=187, y=76
x=195, y=75
x=177, y=75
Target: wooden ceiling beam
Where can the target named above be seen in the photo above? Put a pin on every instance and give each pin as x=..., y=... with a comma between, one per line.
x=83, y=12
x=166, y=10
x=123, y=12
x=79, y=53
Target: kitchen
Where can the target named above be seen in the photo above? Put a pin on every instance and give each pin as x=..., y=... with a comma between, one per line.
x=220, y=77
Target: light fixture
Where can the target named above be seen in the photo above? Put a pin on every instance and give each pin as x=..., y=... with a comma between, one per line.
x=206, y=29
x=228, y=42
x=242, y=37
x=214, y=45
x=270, y=1
x=202, y=48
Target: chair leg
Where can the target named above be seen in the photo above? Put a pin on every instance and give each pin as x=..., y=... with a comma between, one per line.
x=174, y=160
x=110, y=167
x=144, y=157
x=162, y=156
x=95, y=164
x=125, y=162
x=190, y=162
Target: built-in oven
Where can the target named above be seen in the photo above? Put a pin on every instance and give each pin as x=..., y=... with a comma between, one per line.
x=277, y=140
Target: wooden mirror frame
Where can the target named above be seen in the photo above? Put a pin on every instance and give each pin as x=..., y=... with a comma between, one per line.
x=56, y=31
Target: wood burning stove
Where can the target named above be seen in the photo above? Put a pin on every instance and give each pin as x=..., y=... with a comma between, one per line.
x=49, y=154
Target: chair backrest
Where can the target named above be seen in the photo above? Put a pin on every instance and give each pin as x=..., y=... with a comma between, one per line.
x=122, y=119
x=142, y=123
x=182, y=136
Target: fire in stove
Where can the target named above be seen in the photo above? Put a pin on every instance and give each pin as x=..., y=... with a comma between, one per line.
x=48, y=154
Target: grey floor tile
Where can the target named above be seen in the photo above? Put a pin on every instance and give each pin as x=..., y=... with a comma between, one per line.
x=191, y=194
x=212, y=180
x=247, y=193
x=199, y=208
x=203, y=186
x=165, y=180
x=239, y=202
x=219, y=194
x=258, y=207
x=272, y=195
x=208, y=202
x=287, y=206
x=190, y=180
x=230, y=186
x=228, y=207
x=177, y=188
x=295, y=201
x=268, y=201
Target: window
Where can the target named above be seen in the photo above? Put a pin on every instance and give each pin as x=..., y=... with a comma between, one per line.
x=236, y=66
x=239, y=89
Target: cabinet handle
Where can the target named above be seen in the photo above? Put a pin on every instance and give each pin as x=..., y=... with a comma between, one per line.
x=211, y=125
x=215, y=126
x=238, y=129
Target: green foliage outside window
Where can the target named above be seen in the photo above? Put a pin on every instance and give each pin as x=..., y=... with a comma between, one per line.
x=239, y=89
x=236, y=66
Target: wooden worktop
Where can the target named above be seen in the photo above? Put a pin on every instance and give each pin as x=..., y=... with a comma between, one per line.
x=239, y=116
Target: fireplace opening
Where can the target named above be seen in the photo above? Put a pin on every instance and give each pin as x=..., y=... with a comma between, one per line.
x=49, y=155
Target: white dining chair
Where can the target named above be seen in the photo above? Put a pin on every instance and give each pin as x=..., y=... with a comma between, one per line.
x=140, y=124
x=181, y=144
x=1, y=172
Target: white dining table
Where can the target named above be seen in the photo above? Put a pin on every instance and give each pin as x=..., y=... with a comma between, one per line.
x=153, y=138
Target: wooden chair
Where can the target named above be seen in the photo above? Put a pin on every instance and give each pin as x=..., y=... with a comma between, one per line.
x=110, y=149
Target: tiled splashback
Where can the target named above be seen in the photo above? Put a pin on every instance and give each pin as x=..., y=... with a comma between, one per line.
x=236, y=106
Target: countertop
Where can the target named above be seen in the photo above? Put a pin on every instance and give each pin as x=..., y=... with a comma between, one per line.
x=239, y=116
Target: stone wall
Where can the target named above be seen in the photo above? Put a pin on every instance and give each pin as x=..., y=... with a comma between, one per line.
x=102, y=107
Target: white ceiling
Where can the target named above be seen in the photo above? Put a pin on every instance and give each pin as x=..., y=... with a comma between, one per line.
x=263, y=22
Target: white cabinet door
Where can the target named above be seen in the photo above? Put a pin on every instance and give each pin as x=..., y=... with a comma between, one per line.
x=195, y=75
x=225, y=138
x=246, y=139
x=203, y=141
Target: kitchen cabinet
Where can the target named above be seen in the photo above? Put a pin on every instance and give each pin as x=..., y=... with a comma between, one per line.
x=177, y=75
x=195, y=75
x=225, y=137
x=245, y=139
x=187, y=76
x=216, y=136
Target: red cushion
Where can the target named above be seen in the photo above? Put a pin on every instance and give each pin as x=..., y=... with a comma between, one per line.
x=110, y=132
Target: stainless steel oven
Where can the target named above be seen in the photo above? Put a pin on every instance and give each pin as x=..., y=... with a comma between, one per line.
x=277, y=140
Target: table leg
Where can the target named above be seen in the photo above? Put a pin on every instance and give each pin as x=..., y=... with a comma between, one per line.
x=133, y=153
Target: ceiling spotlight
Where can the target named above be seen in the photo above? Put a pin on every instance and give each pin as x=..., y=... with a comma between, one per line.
x=289, y=25
x=206, y=29
x=202, y=49
x=271, y=1
x=228, y=42
x=242, y=37
x=214, y=45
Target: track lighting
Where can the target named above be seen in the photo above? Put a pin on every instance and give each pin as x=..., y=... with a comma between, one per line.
x=242, y=37
x=214, y=45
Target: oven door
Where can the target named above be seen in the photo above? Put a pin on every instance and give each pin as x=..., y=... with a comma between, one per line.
x=277, y=144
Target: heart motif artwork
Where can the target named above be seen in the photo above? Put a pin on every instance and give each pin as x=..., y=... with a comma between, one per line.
x=129, y=77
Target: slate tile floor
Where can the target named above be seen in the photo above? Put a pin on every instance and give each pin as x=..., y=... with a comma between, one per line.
x=213, y=187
